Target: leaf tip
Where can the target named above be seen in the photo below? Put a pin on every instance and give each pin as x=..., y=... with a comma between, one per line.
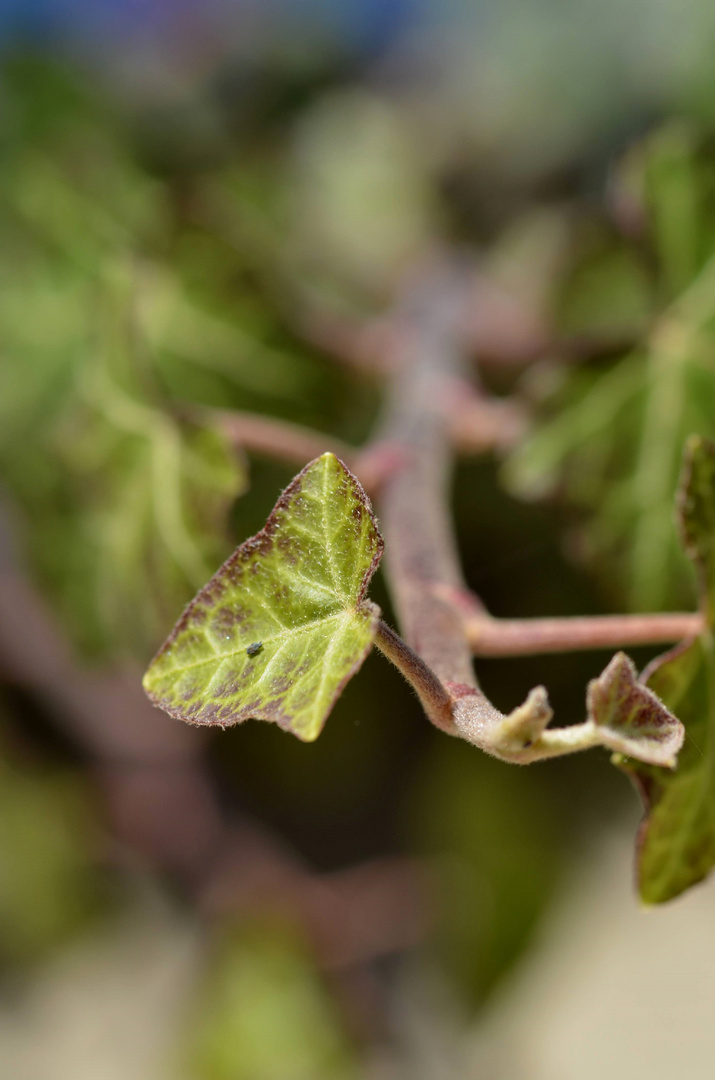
x=148, y=682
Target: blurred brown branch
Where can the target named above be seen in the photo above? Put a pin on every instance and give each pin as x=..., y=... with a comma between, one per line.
x=277, y=439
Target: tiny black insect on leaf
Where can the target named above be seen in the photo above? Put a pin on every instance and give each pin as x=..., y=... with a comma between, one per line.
x=255, y=648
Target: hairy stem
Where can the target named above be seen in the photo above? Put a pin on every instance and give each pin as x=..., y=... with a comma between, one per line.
x=526, y=637
x=433, y=696
x=442, y=621
x=532, y=743
x=421, y=552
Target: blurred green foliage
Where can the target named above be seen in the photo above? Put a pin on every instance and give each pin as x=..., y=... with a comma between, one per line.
x=128, y=298
x=125, y=503
x=490, y=828
x=611, y=437
x=264, y=1013
x=48, y=878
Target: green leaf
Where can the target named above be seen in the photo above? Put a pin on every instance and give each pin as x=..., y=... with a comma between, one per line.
x=677, y=839
x=283, y=625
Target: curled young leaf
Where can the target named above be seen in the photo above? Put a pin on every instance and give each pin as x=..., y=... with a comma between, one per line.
x=297, y=590
x=623, y=715
x=629, y=718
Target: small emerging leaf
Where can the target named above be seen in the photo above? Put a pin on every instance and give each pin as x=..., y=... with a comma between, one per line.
x=623, y=715
x=297, y=589
x=630, y=718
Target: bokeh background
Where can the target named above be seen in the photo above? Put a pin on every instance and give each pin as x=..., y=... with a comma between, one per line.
x=189, y=193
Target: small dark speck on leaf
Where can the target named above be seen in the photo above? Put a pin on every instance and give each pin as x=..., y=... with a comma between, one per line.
x=255, y=648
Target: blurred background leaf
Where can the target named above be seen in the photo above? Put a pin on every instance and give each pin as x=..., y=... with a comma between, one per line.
x=614, y=437
x=48, y=877
x=491, y=831
x=265, y=1013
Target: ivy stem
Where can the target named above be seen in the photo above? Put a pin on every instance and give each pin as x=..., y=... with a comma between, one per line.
x=276, y=439
x=442, y=621
x=421, y=553
x=558, y=741
x=434, y=697
x=527, y=637
x=478, y=424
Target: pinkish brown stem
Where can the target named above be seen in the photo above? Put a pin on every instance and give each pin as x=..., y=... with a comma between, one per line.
x=433, y=696
x=421, y=553
x=277, y=438
x=525, y=637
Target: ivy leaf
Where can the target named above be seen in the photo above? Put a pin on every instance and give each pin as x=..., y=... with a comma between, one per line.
x=677, y=839
x=283, y=625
